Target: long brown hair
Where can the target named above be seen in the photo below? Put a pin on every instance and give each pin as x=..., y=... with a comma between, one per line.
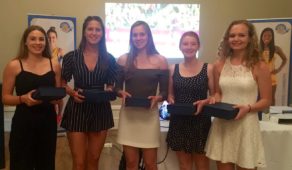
x=252, y=51
x=150, y=47
x=103, y=61
x=271, y=45
x=23, y=50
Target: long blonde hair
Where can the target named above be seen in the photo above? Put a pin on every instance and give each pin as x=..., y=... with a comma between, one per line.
x=252, y=50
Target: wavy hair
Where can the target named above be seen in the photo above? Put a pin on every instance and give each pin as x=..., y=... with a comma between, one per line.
x=252, y=52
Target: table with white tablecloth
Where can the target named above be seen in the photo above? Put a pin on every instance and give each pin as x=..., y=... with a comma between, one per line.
x=277, y=141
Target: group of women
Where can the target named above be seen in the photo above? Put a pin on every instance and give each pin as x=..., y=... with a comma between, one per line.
x=138, y=73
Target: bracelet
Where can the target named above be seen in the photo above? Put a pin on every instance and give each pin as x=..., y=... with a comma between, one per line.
x=249, y=107
x=74, y=93
x=20, y=101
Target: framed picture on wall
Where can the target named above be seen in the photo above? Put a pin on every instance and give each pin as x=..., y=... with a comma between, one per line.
x=64, y=26
x=276, y=48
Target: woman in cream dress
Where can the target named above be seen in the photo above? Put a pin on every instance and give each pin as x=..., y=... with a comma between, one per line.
x=142, y=70
x=240, y=76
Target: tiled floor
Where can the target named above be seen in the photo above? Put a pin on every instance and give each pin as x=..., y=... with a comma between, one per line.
x=110, y=156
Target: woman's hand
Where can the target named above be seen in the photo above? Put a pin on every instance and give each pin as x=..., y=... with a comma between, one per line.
x=123, y=94
x=170, y=100
x=154, y=100
x=201, y=103
x=109, y=88
x=243, y=110
x=28, y=100
x=78, y=98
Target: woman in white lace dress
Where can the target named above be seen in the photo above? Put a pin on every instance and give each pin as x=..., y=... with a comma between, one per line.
x=240, y=76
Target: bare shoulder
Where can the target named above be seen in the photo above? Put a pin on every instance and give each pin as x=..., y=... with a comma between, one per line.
x=122, y=60
x=210, y=66
x=218, y=64
x=13, y=67
x=171, y=67
x=163, y=64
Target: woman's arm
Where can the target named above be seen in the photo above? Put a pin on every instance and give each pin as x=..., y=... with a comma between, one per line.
x=112, y=73
x=163, y=81
x=211, y=98
x=282, y=55
x=119, y=88
x=67, y=74
x=9, y=75
x=262, y=75
x=218, y=65
x=171, y=98
x=10, y=72
x=57, y=70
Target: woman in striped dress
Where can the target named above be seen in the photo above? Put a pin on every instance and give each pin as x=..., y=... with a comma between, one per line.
x=91, y=66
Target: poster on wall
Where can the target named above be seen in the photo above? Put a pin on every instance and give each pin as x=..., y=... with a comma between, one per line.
x=276, y=48
x=64, y=26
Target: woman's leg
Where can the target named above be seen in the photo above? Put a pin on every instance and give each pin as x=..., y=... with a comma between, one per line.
x=150, y=158
x=78, y=147
x=96, y=142
x=45, y=145
x=240, y=168
x=132, y=157
x=274, y=88
x=21, y=146
x=225, y=166
x=201, y=161
x=185, y=160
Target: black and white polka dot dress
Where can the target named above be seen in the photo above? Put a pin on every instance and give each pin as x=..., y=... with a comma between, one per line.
x=189, y=133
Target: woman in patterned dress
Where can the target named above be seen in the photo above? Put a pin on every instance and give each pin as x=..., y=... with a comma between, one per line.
x=189, y=82
x=240, y=75
x=92, y=67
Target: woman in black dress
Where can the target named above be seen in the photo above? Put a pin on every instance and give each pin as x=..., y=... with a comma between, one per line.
x=32, y=142
x=190, y=82
x=92, y=67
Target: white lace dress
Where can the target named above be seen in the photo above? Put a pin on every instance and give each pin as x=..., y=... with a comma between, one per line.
x=237, y=141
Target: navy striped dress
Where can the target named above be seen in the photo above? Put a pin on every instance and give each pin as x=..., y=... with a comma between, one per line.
x=87, y=117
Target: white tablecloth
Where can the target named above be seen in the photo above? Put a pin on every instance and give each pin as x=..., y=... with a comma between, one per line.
x=277, y=141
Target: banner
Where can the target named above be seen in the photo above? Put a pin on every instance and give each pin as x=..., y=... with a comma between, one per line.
x=282, y=39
